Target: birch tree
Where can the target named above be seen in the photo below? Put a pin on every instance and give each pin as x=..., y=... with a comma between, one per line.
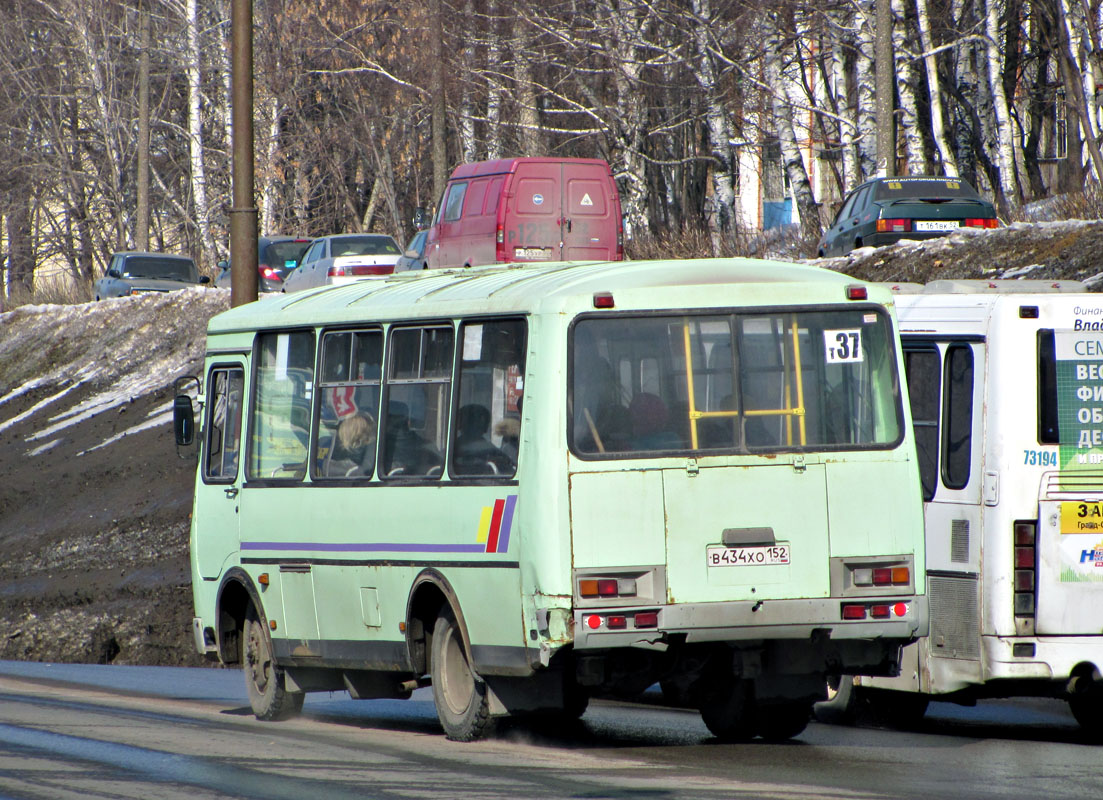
x=947, y=163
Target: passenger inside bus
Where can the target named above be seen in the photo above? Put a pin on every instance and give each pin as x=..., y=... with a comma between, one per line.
x=353, y=452
x=651, y=424
x=475, y=454
x=602, y=424
x=405, y=452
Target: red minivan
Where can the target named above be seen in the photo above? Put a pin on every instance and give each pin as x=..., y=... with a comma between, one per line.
x=527, y=209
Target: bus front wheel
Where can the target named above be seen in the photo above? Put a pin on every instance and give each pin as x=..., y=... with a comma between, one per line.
x=459, y=693
x=264, y=681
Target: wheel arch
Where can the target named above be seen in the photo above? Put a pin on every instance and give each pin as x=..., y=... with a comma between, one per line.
x=429, y=594
x=235, y=594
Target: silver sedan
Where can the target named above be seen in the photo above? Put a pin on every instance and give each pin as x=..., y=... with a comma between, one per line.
x=344, y=258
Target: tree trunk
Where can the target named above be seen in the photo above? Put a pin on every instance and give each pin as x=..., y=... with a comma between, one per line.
x=866, y=111
x=494, y=90
x=468, y=146
x=722, y=213
x=792, y=160
x=1005, y=150
x=195, y=136
x=21, y=261
x=532, y=140
x=909, y=102
x=439, y=108
x=141, y=222
x=947, y=163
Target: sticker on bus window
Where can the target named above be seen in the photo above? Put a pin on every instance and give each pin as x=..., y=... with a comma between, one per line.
x=473, y=343
x=842, y=346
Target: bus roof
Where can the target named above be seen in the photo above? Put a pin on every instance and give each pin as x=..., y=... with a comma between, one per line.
x=537, y=287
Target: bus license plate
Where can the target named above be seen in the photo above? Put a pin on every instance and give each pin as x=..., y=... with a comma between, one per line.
x=532, y=252
x=766, y=555
x=936, y=225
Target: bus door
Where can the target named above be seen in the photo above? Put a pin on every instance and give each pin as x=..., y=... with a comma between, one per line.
x=946, y=392
x=216, y=498
x=1069, y=572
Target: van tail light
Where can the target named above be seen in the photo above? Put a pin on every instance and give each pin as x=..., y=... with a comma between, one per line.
x=619, y=256
x=500, y=243
x=894, y=225
x=1026, y=534
x=360, y=270
x=987, y=222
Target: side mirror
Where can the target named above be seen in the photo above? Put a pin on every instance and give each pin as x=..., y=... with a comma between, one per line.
x=183, y=420
x=183, y=415
x=412, y=254
x=113, y=273
x=421, y=218
x=204, y=279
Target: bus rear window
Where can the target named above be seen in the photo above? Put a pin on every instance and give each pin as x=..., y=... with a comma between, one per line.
x=744, y=382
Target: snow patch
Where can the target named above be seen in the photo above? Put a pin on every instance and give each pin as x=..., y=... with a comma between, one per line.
x=44, y=447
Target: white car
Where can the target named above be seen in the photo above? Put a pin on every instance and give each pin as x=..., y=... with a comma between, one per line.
x=343, y=258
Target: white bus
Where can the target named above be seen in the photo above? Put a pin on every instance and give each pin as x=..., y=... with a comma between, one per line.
x=1006, y=387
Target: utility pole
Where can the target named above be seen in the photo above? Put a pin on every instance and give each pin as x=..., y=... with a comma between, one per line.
x=886, y=86
x=243, y=212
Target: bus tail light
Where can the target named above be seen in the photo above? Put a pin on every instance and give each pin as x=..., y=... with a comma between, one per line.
x=607, y=587
x=894, y=225
x=647, y=619
x=856, y=292
x=1025, y=533
x=854, y=611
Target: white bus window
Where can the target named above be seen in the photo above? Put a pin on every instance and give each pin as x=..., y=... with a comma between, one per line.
x=349, y=408
x=958, y=414
x=418, y=388
x=923, y=368
x=488, y=411
x=224, y=425
x=280, y=429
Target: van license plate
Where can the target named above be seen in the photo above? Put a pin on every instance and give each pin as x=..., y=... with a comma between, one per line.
x=532, y=252
x=766, y=555
x=936, y=225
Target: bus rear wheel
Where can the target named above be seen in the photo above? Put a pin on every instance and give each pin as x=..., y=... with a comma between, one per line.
x=728, y=710
x=459, y=693
x=265, y=682
x=781, y=721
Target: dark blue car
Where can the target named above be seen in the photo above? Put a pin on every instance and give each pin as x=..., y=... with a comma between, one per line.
x=885, y=210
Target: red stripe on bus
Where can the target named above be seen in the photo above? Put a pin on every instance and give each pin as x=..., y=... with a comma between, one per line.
x=495, y=526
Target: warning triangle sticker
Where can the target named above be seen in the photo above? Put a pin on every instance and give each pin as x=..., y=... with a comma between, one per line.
x=586, y=201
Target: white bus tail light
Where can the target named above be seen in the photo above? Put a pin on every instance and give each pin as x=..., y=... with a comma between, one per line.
x=854, y=611
x=616, y=622
x=647, y=619
x=1025, y=533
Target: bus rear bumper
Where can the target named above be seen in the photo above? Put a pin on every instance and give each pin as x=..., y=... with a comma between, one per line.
x=743, y=621
x=1040, y=657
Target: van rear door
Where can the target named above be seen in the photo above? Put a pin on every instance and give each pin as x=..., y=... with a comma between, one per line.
x=531, y=222
x=591, y=213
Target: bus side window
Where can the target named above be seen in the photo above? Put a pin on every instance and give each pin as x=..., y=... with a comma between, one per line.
x=958, y=415
x=419, y=383
x=1049, y=431
x=281, y=410
x=487, y=427
x=924, y=390
x=224, y=426
x=349, y=408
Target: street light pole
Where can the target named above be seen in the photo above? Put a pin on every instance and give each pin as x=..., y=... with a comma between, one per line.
x=243, y=212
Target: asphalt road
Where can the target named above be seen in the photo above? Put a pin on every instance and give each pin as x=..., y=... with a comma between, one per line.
x=80, y=731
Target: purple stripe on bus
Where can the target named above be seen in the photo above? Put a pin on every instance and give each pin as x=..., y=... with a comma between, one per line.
x=365, y=547
x=507, y=523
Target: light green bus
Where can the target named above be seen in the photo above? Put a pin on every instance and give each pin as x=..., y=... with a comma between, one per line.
x=531, y=485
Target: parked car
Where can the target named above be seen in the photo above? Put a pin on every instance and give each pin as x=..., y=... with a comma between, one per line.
x=527, y=209
x=343, y=258
x=135, y=272
x=414, y=255
x=885, y=210
x=276, y=257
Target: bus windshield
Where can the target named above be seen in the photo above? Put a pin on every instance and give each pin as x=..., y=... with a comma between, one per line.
x=813, y=379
